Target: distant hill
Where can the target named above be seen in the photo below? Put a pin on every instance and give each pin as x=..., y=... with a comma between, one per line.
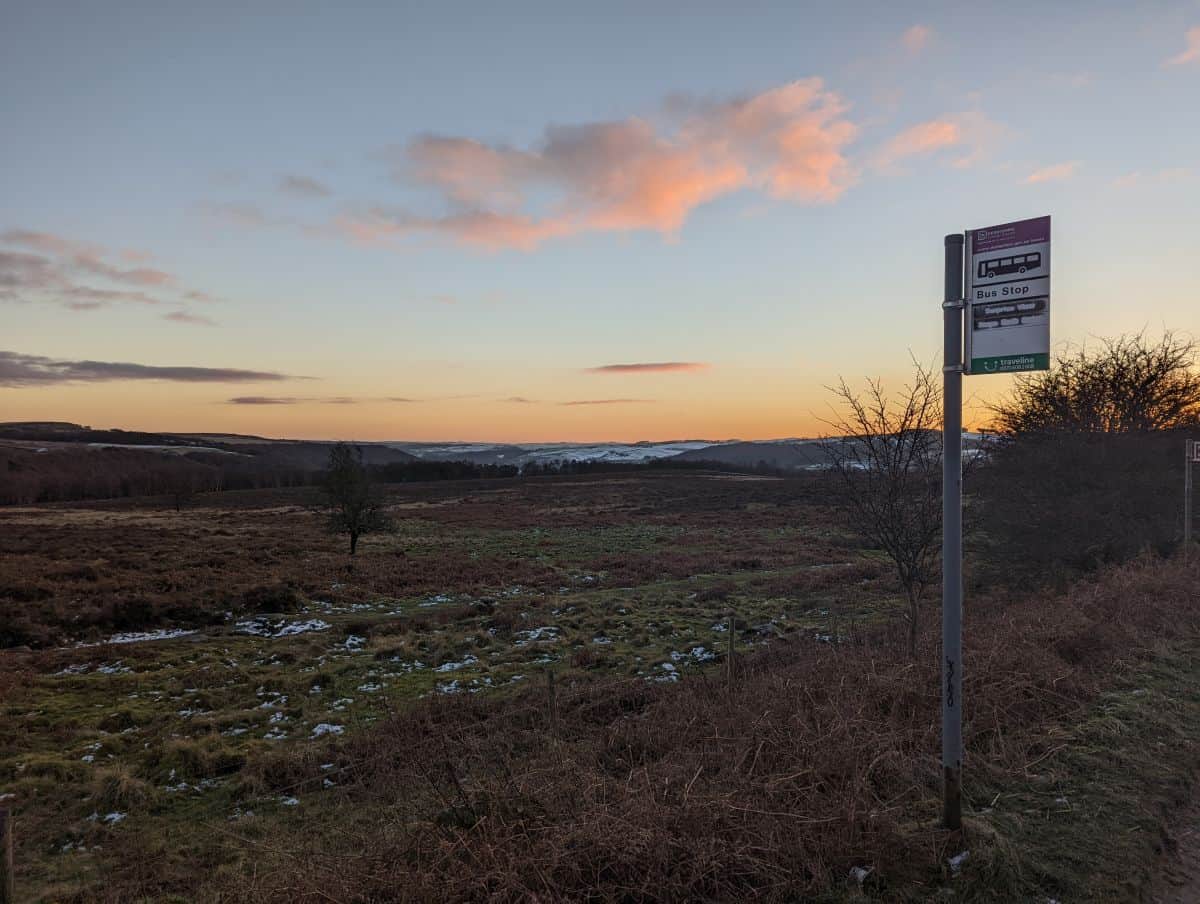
x=313, y=456
x=782, y=454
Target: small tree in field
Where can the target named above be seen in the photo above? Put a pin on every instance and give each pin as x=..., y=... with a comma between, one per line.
x=887, y=465
x=353, y=503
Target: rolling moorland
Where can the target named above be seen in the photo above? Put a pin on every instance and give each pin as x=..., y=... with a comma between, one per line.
x=650, y=685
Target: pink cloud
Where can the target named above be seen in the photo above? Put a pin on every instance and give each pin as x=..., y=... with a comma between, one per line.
x=651, y=367
x=916, y=38
x=1054, y=173
x=972, y=134
x=1192, y=52
x=923, y=138
x=631, y=174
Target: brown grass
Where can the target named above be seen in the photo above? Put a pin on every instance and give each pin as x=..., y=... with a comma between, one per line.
x=82, y=570
x=819, y=759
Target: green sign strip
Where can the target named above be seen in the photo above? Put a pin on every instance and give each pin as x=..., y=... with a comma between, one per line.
x=1010, y=364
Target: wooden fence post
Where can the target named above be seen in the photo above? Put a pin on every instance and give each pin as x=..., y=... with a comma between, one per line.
x=729, y=656
x=552, y=701
x=6, y=857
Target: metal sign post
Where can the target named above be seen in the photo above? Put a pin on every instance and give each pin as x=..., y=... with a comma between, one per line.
x=952, y=374
x=1004, y=292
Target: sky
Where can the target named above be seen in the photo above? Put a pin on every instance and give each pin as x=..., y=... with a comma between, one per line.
x=563, y=222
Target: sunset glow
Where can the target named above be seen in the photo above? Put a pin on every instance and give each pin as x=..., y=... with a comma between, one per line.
x=638, y=227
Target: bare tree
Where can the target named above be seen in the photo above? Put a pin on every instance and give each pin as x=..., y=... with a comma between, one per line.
x=352, y=500
x=1086, y=470
x=1128, y=385
x=887, y=462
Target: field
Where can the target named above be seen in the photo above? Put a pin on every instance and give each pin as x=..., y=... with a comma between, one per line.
x=526, y=689
x=279, y=644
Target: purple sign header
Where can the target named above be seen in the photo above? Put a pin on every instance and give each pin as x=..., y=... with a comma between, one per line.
x=1011, y=235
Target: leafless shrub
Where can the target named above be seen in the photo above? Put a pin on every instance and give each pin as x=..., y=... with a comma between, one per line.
x=887, y=461
x=1129, y=384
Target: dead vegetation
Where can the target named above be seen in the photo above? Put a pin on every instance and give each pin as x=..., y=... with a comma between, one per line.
x=819, y=760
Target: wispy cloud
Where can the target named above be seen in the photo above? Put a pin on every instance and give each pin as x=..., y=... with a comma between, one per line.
x=238, y=213
x=916, y=38
x=1053, y=173
x=1191, y=53
x=631, y=174
x=923, y=138
x=187, y=317
x=971, y=135
x=1168, y=176
x=650, y=367
x=303, y=187
x=308, y=400
x=608, y=402
x=82, y=276
x=18, y=369
x=520, y=400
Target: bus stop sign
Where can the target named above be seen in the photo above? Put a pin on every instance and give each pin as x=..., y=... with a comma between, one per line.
x=1008, y=298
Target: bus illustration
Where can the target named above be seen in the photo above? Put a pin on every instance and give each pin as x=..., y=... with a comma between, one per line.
x=1018, y=263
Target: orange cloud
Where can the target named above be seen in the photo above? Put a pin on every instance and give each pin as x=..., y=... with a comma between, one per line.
x=632, y=174
x=608, y=402
x=916, y=39
x=1191, y=54
x=923, y=138
x=971, y=132
x=650, y=367
x=1055, y=173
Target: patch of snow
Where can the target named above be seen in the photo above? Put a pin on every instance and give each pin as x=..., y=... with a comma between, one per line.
x=327, y=728
x=698, y=654
x=455, y=666
x=142, y=636
x=669, y=673
x=858, y=874
x=957, y=861
x=264, y=627
x=534, y=635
